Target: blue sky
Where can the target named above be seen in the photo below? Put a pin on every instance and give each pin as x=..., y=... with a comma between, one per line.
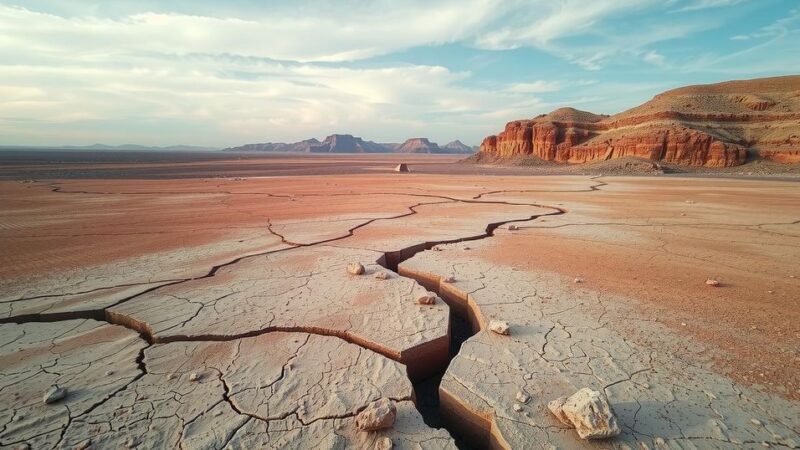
x=227, y=73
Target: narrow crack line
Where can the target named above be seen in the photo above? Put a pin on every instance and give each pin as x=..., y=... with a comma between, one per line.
x=90, y=291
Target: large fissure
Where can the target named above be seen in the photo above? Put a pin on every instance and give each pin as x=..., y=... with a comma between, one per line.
x=462, y=321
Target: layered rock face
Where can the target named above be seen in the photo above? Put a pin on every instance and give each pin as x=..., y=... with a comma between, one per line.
x=419, y=145
x=708, y=125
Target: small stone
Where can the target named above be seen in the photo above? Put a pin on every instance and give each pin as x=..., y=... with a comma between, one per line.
x=755, y=422
x=384, y=443
x=513, y=227
x=19, y=417
x=449, y=279
x=170, y=376
x=131, y=443
x=436, y=248
x=428, y=299
x=499, y=327
x=522, y=397
x=109, y=372
x=683, y=214
x=355, y=269
x=517, y=407
x=194, y=377
x=765, y=444
x=217, y=413
x=689, y=202
x=587, y=411
x=54, y=394
x=578, y=280
x=683, y=324
x=467, y=248
x=377, y=415
x=83, y=445
x=712, y=282
x=23, y=446
x=382, y=275
x=770, y=292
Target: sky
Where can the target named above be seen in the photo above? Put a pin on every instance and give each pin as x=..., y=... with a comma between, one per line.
x=224, y=73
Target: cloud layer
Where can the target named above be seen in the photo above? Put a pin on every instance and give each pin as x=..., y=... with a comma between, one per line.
x=225, y=73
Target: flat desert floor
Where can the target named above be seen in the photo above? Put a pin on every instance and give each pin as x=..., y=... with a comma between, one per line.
x=197, y=310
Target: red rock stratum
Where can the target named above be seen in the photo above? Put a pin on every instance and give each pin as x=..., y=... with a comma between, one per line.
x=713, y=125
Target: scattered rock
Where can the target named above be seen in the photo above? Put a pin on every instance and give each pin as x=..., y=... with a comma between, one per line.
x=517, y=407
x=109, y=372
x=194, y=377
x=770, y=292
x=466, y=248
x=382, y=275
x=377, y=415
x=578, y=280
x=131, y=443
x=170, y=376
x=384, y=443
x=402, y=167
x=23, y=446
x=356, y=269
x=513, y=227
x=755, y=422
x=588, y=412
x=54, y=394
x=499, y=327
x=711, y=282
x=689, y=202
x=522, y=397
x=449, y=279
x=83, y=445
x=428, y=299
x=436, y=248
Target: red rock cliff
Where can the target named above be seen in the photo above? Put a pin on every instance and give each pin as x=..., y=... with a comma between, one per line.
x=711, y=125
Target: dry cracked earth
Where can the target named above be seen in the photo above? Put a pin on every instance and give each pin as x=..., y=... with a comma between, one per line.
x=216, y=313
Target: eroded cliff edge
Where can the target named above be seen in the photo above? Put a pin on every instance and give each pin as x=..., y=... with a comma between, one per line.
x=714, y=125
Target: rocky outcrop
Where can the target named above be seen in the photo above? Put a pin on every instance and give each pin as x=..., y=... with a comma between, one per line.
x=346, y=143
x=419, y=145
x=711, y=125
x=588, y=412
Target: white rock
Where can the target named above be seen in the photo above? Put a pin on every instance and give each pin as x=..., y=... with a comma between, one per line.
x=109, y=373
x=428, y=299
x=499, y=327
x=588, y=412
x=755, y=422
x=377, y=415
x=356, y=269
x=578, y=280
x=522, y=397
x=712, y=282
x=194, y=377
x=513, y=227
x=382, y=275
x=384, y=443
x=54, y=394
x=517, y=407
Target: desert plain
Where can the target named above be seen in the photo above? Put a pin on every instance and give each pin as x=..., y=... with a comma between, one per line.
x=209, y=305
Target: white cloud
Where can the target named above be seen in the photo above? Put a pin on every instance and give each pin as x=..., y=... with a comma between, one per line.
x=654, y=58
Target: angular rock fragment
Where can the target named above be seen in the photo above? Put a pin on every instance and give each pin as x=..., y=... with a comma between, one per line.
x=499, y=327
x=577, y=280
x=194, y=377
x=587, y=411
x=382, y=275
x=384, y=444
x=513, y=227
x=54, y=394
x=355, y=269
x=449, y=279
x=377, y=415
x=428, y=299
x=712, y=282
x=521, y=397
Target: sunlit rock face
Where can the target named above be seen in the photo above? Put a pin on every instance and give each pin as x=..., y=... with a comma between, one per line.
x=709, y=125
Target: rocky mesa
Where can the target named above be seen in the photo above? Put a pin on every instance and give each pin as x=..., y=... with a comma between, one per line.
x=714, y=125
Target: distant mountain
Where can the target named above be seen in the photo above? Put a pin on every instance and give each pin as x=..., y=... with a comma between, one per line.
x=419, y=145
x=346, y=143
x=459, y=147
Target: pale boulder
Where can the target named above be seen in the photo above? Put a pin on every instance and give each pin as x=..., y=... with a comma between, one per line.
x=356, y=269
x=500, y=327
x=377, y=415
x=587, y=411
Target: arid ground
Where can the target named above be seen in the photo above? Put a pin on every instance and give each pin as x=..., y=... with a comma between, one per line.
x=205, y=305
